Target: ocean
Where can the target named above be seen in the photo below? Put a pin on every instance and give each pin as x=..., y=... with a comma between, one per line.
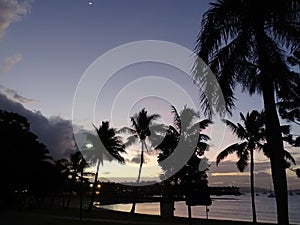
x=224, y=207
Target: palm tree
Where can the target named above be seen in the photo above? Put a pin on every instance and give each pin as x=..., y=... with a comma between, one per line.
x=185, y=136
x=105, y=146
x=76, y=165
x=185, y=133
x=244, y=43
x=141, y=123
x=252, y=134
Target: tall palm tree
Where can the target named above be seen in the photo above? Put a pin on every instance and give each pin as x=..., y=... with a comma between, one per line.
x=244, y=43
x=252, y=134
x=141, y=123
x=105, y=146
x=186, y=132
x=185, y=135
x=75, y=166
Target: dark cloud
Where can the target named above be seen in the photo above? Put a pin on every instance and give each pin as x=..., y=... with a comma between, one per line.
x=55, y=132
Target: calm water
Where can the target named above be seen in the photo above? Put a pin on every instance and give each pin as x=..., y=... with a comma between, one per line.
x=233, y=208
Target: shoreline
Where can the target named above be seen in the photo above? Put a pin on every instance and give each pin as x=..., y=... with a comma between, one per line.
x=156, y=199
x=105, y=216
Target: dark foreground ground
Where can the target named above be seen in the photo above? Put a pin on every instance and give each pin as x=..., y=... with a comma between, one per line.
x=97, y=216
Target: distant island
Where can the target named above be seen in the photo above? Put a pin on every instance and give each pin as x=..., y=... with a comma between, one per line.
x=115, y=193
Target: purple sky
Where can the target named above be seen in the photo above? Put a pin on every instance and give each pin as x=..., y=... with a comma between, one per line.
x=46, y=46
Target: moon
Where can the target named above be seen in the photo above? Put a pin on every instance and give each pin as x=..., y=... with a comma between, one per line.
x=90, y=3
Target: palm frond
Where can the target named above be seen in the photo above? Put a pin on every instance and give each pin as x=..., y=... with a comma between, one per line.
x=198, y=127
x=285, y=129
x=176, y=118
x=187, y=117
x=289, y=157
x=236, y=129
x=231, y=125
x=241, y=149
x=152, y=117
x=242, y=163
x=243, y=117
x=131, y=140
x=136, y=127
x=229, y=150
x=204, y=137
x=266, y=150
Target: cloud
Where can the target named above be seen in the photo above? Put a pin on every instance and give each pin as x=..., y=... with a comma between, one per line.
x=12, y=11
x=106, y=173
x=9, y=62
x=13, y=95
x=230, y=167
x=227, y=174
x=55, y=132
x=137, y=159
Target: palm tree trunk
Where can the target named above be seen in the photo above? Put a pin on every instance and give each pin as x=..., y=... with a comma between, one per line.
x=141, y=163
x=94, y=188
x=252, y=186
x=71, y=188
x=138, y=179
x=81, y=194
x=275, y=142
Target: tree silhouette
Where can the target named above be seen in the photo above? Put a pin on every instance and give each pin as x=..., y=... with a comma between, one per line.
x=76, y=165
x=186, y=130
x=105, y=146
x=25, y=158
x=141, y=123
x=184, y=134
x=244, y=43
x=60, y=180
x=252, y=134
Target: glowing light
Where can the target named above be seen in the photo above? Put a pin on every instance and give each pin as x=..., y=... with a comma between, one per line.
x=90, y=3
x=89, y=145
x=99, y=186
x=91, y=185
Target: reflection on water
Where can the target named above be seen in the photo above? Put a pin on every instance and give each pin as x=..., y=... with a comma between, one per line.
x=237, y=208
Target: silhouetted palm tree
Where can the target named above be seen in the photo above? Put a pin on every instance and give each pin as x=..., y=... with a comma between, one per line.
x=61, y=180
x=76, y=165
x=105, y=146
x=244, y=42
x=252, y=133
x=186, y=138
x=184, y=133
x=141, y=123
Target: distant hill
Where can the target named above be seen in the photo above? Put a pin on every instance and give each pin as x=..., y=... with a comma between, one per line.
x=256, y=189
x=262, y=190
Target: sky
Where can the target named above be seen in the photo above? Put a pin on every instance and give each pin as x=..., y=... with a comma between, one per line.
x=47, y=49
